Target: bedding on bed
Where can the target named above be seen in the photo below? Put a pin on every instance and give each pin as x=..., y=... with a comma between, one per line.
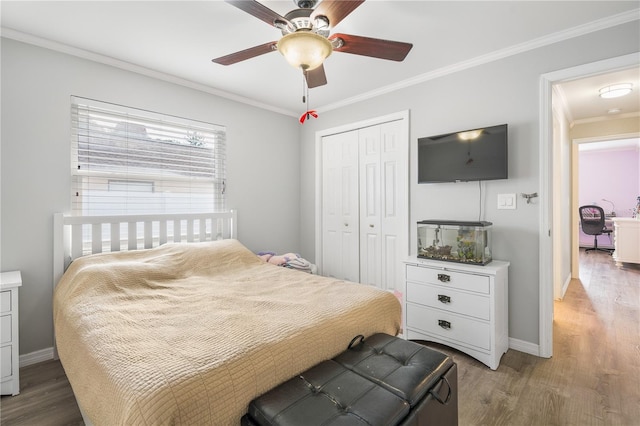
x=191, y=333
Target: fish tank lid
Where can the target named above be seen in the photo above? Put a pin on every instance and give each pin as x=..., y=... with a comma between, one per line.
x=454, y=222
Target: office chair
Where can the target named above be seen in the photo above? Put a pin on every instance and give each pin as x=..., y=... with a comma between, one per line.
x=592, y=220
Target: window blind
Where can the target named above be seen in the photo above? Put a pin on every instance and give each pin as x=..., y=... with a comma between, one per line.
x=131, y=161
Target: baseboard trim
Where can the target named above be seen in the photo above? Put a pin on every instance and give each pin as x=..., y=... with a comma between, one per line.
x=522, y=346
x=36, y=357
x=565, y=286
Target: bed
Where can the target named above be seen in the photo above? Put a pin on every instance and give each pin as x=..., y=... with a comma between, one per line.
x=171, y=320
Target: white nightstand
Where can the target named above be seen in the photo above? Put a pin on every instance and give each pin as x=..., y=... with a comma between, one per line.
x=9, y=351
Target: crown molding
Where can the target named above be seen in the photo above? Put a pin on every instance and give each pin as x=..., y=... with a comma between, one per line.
x=569, y=33
x=600, y=24
x=127, y=66
x=602, y=118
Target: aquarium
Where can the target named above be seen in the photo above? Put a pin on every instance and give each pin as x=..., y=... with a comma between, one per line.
x=453, y=241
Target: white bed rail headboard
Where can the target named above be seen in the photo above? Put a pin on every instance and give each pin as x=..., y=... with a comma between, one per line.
x=76, y=236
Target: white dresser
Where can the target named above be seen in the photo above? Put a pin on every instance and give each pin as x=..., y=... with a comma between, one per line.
x=459, y=305
x=9, y=351
x=626, y=231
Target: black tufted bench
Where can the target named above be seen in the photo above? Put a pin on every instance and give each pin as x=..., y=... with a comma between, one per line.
x=381, y=380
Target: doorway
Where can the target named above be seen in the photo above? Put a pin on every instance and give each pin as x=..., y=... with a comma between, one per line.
x=608, y=175
x=551, y=232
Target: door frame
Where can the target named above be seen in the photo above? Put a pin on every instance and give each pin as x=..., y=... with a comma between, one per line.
x=400, y=115
x=550, y=189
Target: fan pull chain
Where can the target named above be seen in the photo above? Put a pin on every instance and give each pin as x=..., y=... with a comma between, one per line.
x=304, y=85
x=308, y=98
x=305, y=99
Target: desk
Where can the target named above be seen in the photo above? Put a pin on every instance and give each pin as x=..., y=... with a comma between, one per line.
x=627, y=240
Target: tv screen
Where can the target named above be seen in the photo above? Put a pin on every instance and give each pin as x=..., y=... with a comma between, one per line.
x=470, y=155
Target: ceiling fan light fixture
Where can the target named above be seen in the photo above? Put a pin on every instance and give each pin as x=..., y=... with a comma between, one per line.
x=305, y=49
x=615, y=90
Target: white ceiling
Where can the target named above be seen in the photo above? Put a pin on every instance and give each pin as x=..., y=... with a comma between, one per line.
x=176, y=40
x=584, y=103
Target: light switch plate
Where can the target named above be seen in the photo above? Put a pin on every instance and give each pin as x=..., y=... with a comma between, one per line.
x=506, y=201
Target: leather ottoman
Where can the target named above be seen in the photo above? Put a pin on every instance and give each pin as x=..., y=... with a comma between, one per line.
x=427, y=379
x=383, y=380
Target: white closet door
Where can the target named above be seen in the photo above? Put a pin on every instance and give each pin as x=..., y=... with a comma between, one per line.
x=370, y=207
x=340, y=215
x=394, y=163
x=383, y=201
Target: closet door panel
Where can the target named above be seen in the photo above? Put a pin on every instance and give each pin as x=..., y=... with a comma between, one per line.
x=370, y=206
x=394, y=202
x=391, y=269
x=340, y=211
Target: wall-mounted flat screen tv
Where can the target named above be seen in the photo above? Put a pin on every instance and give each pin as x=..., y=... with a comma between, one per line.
x=469, y=155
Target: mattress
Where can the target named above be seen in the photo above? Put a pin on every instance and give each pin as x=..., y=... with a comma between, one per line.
x=191, y=333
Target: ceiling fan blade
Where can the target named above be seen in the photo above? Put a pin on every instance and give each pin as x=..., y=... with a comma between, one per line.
x=249, y=53
x=316, y=77
x=374, y=47
x=260, y=11
x=335, y=10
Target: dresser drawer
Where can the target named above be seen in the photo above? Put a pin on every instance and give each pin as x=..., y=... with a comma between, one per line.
x=6, y=361
x=9, y=350
x=5, y=301
x=464, y=330
x=5, y=329
x=451, y=279
x=439, y=297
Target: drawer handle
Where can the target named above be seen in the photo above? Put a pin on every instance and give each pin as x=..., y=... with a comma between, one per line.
x=444, y=324
x=444, y=299
x=444, y=278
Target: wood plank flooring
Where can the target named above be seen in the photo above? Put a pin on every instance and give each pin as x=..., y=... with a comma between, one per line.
x=45, y=398
x=593, y=377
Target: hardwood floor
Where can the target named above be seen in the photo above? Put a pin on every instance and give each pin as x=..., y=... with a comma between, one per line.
x=45, y=398
x=592, y=379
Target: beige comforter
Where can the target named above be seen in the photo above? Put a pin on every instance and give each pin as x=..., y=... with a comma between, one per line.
x=190, y=333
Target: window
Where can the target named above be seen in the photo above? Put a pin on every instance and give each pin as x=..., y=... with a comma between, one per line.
x=129, y=161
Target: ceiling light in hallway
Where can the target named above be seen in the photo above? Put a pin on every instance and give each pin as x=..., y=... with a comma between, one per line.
x=615, y=90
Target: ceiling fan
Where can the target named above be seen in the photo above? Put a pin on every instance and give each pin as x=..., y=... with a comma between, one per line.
x=306, y=41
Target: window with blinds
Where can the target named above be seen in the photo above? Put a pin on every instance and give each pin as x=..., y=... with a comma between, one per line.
x=130, y=161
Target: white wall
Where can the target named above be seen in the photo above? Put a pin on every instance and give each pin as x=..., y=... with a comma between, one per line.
x=272, y=177
x=262, y=167
x=504, y=91
x=612, y=174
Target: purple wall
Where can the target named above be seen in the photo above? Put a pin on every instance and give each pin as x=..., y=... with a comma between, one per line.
x=613, y=175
